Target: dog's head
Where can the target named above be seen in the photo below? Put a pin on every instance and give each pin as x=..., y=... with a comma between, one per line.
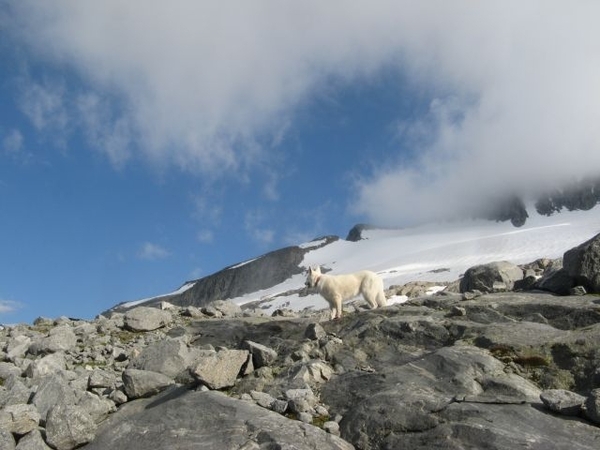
x=314, y=273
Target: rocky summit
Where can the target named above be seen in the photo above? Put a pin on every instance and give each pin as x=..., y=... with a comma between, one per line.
x=493, y=361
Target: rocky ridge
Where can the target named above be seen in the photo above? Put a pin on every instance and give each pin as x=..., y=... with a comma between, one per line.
x=492, y=361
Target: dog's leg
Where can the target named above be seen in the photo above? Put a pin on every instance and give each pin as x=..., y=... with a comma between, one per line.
x=332, y=310
x=337, y=300
x=381, y=300
x=370, y=300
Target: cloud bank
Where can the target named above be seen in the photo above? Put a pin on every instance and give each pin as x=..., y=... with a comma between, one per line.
x=514, y=87
x=518, y=116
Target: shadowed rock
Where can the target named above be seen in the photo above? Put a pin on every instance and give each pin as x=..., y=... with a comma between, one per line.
x=207, y=420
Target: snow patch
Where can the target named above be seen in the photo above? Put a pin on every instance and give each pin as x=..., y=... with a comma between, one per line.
x=313, y=244
x=181, y=290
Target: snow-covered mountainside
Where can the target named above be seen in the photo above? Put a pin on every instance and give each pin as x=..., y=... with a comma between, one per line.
x=438, y=253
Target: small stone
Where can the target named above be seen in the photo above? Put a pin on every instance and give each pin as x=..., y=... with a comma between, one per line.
x=118, y=396
x=578, y=291
x=144, y=383
x=144, y=318
x=279, y=406
x=332, y=427
x=563, y=402
x=221, y=369
x=305, y=417
x=261, y=354
x=262, y=398
x=592, y=406
x=315, y=332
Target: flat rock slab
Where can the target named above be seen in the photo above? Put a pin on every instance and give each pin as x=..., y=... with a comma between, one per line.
x=206, y=420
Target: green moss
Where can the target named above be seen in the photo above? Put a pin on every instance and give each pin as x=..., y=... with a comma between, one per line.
x=43, y=328
x=125, y=337
x=502, y=352
x=93, y=364
x=319, y=421
x=557, y=379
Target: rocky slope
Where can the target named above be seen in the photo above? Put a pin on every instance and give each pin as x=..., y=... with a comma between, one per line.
x=487, y=363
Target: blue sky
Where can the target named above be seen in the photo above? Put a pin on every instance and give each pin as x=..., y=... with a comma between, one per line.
x=143, y=144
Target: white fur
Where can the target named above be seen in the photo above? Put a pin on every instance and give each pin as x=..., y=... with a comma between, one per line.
x=338, y=288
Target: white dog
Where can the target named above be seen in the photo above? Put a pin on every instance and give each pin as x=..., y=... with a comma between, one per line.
x=338, y=288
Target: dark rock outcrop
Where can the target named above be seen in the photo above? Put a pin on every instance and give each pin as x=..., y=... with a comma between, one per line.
x=577, y=273
x=265, y=271
x=510, y=208
x=582, y=195
x=582, y=263
x=180, y=418
x=493, y=277
x=355, y=233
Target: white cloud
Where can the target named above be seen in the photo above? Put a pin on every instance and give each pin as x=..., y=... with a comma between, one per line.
x=12, y=143
x=152, y=252
x=518, y=117
x=201, y=85
x=205, y=236
x=209, y=88
x=106, y=133
x=44, y=104
x=9, y=306
x=256, y=228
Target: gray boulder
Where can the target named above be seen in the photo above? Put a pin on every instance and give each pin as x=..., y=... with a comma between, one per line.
x=147, y=319
x=14, y=392
x=98, y=408
x=219, y=370
x=19, y=419
x=8, y=369
x=261, y=354
x=555, y=280
x=48, y=365
x=262, y=399
x=314, y=332
x=69, y=427
x=7, y=441
x=17, y=347
x=144, y=383
x=171, y=357
x=59, y=339
x=493, y=277
x=53, y=389
x=308, y=373
x=592, y=406
x=207, y=420
x=101, y=379
x=32, y=441
x=563, y=402
x=583, y=264
x=226, y=308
